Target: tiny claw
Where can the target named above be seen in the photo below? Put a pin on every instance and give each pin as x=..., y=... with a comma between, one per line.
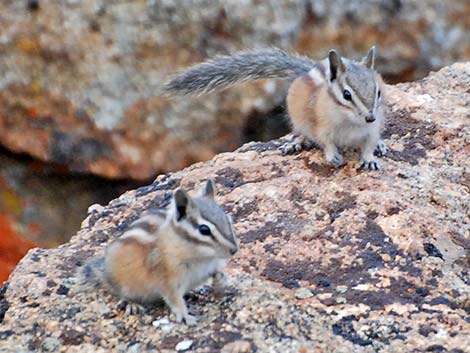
x=371, y=165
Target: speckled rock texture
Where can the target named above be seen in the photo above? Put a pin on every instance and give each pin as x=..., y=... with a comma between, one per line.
x=79, y=79
x=330, y=260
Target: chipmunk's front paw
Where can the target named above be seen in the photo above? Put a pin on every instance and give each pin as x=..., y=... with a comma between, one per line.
x=381, y=149
x=368, y=165
x=219, y=279
x=336, y=160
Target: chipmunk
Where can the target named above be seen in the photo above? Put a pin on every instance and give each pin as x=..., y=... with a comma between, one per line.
x=333, y=103
x=163, y=255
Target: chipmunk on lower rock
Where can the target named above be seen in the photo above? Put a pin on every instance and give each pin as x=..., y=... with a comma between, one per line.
x=335, y=103
x=163, y=255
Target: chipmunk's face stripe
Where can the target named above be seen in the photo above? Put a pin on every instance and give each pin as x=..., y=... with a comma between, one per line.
x=214, y=214
x=202, y=222
x=358, y=100
x=226, y=238
x=226, y=242
x=355, y=103
x=190, y=238
x=217, y=235
x=221, y=233
x=363, y=82
x=336, y=92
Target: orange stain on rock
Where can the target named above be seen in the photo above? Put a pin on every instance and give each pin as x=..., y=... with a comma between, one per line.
x=12, y=248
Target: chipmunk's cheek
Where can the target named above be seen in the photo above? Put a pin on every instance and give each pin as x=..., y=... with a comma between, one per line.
x=355, y=118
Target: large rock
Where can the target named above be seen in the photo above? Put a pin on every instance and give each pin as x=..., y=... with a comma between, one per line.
x=385, y=255
x=79, y=79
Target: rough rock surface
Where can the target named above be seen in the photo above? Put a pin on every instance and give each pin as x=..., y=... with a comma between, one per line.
x=79, y=78
x=386, y=256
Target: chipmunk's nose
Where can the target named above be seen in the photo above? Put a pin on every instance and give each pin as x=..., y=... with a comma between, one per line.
x=370, y=118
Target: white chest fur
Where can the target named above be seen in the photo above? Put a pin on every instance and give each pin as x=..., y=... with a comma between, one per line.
x=350, y=135
x=197, y=272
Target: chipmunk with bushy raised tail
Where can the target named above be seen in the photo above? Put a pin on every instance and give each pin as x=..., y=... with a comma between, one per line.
x=333, y=103
x=163, y=255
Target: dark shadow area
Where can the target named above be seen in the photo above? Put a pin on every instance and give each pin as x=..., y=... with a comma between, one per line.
x=268, y=126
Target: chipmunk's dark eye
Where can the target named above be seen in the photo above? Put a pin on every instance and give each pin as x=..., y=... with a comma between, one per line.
x=347, y=95
x=378, y=94
x=204, y=230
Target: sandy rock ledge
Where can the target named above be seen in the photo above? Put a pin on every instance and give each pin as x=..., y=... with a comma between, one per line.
x=385, y=256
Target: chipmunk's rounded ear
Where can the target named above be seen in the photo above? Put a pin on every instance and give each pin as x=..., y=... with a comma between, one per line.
x=336, y=64
x=369, y=60
x=183, y=203
x=208, y=190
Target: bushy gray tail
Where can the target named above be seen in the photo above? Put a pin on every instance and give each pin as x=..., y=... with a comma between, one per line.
x=92, y=274
x=224, y=71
